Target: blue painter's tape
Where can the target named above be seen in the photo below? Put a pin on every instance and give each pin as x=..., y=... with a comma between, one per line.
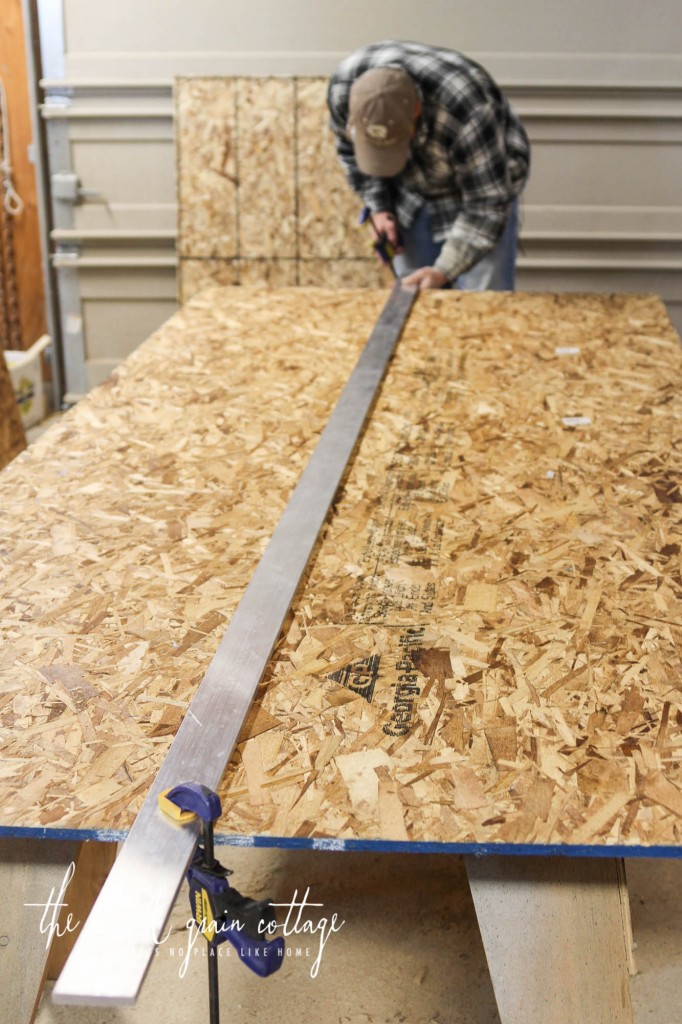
x=469, y=849
x=369, y=845
x=100, y=835
x=329, y=844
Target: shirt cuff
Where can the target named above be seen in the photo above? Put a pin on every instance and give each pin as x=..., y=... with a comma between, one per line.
x=455, y=257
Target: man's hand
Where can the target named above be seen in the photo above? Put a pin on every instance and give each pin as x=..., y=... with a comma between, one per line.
x=386, y=224
x=426, y=277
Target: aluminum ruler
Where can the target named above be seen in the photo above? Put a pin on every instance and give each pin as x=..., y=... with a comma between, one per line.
x=111, y=957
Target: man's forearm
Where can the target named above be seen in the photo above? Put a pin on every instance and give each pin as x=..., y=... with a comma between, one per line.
x=470, y=239
x=458, y=255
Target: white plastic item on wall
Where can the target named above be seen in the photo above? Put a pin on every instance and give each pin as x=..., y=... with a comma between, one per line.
x=25, y=370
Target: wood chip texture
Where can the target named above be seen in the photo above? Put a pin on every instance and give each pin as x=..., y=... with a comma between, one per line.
x=262, y=199
x=486, y=649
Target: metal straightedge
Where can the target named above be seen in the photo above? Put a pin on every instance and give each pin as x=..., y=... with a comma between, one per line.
x=111, y=957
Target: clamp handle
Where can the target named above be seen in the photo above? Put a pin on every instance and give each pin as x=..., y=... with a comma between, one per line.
x=263, y=957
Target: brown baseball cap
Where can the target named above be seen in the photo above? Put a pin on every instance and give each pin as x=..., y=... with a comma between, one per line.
x=382, y=114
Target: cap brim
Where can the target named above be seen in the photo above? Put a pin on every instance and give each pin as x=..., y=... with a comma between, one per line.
x=381, y=161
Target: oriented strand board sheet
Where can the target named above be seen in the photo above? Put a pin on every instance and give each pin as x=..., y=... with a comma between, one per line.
x=267, y=182
x=206, y=133
x=328, y=208
x=274, y=273
x=198, y=274
x=129, y=530
x=343, y=274
x=487, y=647
x=12, y=439
x=260, y=188
x=498, y=594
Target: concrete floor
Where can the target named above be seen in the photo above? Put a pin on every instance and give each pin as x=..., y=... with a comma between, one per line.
x=408, y=953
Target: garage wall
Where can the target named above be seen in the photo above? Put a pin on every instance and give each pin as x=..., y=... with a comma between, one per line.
x=153, y=35
x=598, y=84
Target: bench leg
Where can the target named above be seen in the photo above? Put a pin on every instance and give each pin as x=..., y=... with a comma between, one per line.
x=556, y=932
x=30, y=871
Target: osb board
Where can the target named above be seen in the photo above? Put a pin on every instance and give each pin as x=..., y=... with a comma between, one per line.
x=259, y=187
x=488, y=646
x=200, y=274
x=275, y=273
x=486, y=649
x=129, y=530
x=343, y=274
x=328, y=209
x=266, y=152
x=12, y=439
x=207, y=183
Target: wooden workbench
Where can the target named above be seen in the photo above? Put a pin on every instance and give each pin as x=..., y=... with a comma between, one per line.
x=484, y=657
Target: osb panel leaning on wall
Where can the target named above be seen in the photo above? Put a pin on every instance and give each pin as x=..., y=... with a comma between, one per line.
x=487, y=645
x=261, y=196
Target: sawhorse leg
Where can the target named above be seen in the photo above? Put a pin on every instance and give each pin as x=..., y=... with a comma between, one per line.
x=32, y=871
x=556, y=932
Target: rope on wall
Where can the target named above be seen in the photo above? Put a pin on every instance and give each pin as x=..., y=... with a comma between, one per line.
x=12, y=206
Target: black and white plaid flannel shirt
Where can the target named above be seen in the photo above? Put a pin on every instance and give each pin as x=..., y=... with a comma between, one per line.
x=469, y=157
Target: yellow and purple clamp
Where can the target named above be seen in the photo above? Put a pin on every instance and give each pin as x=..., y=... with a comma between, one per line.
x=220, y=912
